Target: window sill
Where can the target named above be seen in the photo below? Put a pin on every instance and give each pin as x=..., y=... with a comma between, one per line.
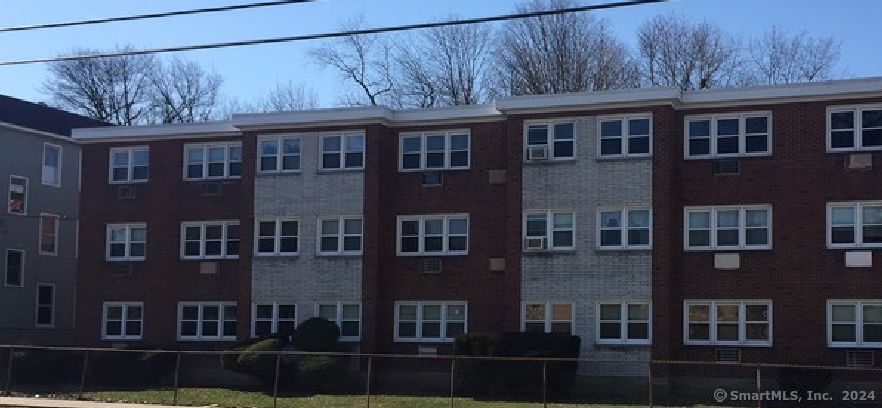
x=853, y=345
x=549, y=161
x=127, y=182
x=620, y=344
x=268, y=174
x=338, y=255
x=428, y=255
x=127, y=339
x=601, y=250
x=127, y=260
x=729, y=250
x=282, y=255
x=228, y=258
x=863, y=247
x=336, y=171
x=427, y=341
x=729, y=156
x=624, y=158
x=207, y=339
x=852, y=150
x=713, y=344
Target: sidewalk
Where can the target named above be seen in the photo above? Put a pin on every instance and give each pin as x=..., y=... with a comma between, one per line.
x=54, y=403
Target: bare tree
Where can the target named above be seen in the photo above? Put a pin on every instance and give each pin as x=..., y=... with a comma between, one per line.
x=115, y=89
x=184, y=92
x=777, y=57
x=286, y=96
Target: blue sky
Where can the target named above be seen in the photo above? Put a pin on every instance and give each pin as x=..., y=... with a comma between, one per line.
x=250, y=71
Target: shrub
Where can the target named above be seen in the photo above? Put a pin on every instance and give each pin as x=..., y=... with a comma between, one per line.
x=316, y=335
x=250, y=361
x=130, y=368
x=321, y=373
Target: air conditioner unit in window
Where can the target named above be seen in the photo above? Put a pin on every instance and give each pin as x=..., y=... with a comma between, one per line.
x=536, y=153
x=862, y=359
x=430, y=265
x=535, y=243
x=728, y=355
x=432, y=179
x=859, y=161
x=727, y=166
x=125, y=192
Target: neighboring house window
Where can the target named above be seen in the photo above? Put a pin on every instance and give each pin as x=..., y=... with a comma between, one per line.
x=347, y=316
x=342, y=151
x=746, y=227
x=207, y=321
x=434, y=150
x=129, y=165
x=854, y=225
x=729, y=135
x=549, y=230
x=279, y=154
x=433, y=235
x=629, y=228
x=548, y=317
x=429, y=321
x=728, y=322
x=274, y=318
x=550, y=141
x=45, y=305
x=18, y=195
x=854, y=323
x=15, y=259
x=48, y=234
x=123, y=321
x=854, y=128
x=51, y=165
x=277, y=236
x=210, y=240
x=126, y=242
x=340, y=236
x=213, y=161
x=629, y=136
x=623, y=323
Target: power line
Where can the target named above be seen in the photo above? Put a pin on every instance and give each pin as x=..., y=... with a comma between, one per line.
x=154, y=15
x=378, y=30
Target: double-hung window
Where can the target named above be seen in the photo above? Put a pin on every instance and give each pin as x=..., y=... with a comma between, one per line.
x=854, y=224
x=547, y=317
x=273, y=318
x=279, y=154
x=347, y=317
x=728, y=135
x=213, y=161
x=430, y=321
x=207, y=321
x=14, y=271
x=122, y=321
x=433, y=235
x=277, y=236
x=129, y=165
x=728, y=322
x=49, y=224
x=854, y=323
x=51, y=175
x=550, y=141
x=342, y=151
x=722, y=228
x=549, y=230
x=623, y=323
x=45, y=316
x=340, y=236
x=126, y=242
x=628, y=228
x=210, y=240
x=18, y=195
x=625, y=136
x=444, y=150
x=854, y=128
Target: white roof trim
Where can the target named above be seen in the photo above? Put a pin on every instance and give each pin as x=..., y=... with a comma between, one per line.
x=593, y=100
x=771, y=92
x=220, y=128
x=451, y=113
x=312, y=117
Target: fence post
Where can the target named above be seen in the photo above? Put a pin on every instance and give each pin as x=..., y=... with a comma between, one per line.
x=452, y=369
x=545, y=383
x=367, y=387
x=276, y=381
x=651, y=392
x=83, y=375
x=759, y=401
x=9, y=371
x=177, y=372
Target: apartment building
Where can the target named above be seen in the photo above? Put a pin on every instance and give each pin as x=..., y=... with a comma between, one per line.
x=39, y=166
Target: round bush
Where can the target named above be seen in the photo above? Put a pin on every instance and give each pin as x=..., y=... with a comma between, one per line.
x=316, y=335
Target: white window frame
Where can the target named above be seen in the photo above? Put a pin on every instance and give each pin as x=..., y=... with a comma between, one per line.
x=130, y=166
x=419, y=321
x=742, y=322
x=549, y=229
x=858, y=207
x=742, y=228
x=623, y=228
x=858, y=112
x=21, y=273
x=423, y=151
x=205, y=147
x=549, y=315
x=57, y=169
x=858, y=323
x=277, y=236
x=200, y=320
x=224, y=239
x=27, y=187
x=40, y=234
x=128, y=242
x=341, y=235
x=623, y=323
x=274, y=320
x=339, y=318
x=421, y=219
x=344, y=148
x=51, y=305
x=625, y=120
x=280, y=155
x=123, y=320
x=550, y=138
x=742, y=134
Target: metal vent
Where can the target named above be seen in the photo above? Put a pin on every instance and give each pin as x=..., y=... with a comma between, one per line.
x=125, y=192
x=211, y=188
x=432, y=179
x=863, y=359
x=727, y=166
x=728, y=355
x=859, y=161
x=430, y=265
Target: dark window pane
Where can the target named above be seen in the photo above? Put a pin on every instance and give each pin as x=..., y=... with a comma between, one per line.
x=235, y=169
x=727, y=127
x=44, y=315
x=871, y=119
x=194, y=171
x=699, y=128
x=120, y=174
x=410, y=161
x=872, y=333
x=431, y=330
x=117, y=250
x=727, y=237
x=563, y=149
x=433, y=244
x=456, y=244
x=727, y=145
x=611, y=128
x=265, y=245
x=638, y=127
x=610, y=238
x=873, y=234
x=215, y=169
x=139, y=173
x=459, y=159
x=233, y=248
x=267, y=163
x=113, y=328
x=842, y=235
x=287, y=328
x=610, y=330
x=266, y=228
x=638, y=145
x=872, y=137
x=434, y=160
x=638, y=331
x=842, y=139
x=699, y=332
x=727, y=332
x=329, y=244
x=136, y=250
x=262, y=328
x=537, y=135
x=842, y=120
x=188, y=328
x=562, y=327
x=291, y=163
x=843, y=332
x=757, y=125
x=409, y=244
x=755, y=144
x=699, y=238
x=230, y=328
x=610, y=146
x=563, y=239
x=755, y=331
x=349, y=329
x=330, y=161
x=133, y=328
x=352, y=243
x=209, y=328
x=563, y=131
x=698, y=147
x=406, y=329
x=354, y=160
x=757, y=236
x=638, y=237
x=212, y=248
x=288, y=245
